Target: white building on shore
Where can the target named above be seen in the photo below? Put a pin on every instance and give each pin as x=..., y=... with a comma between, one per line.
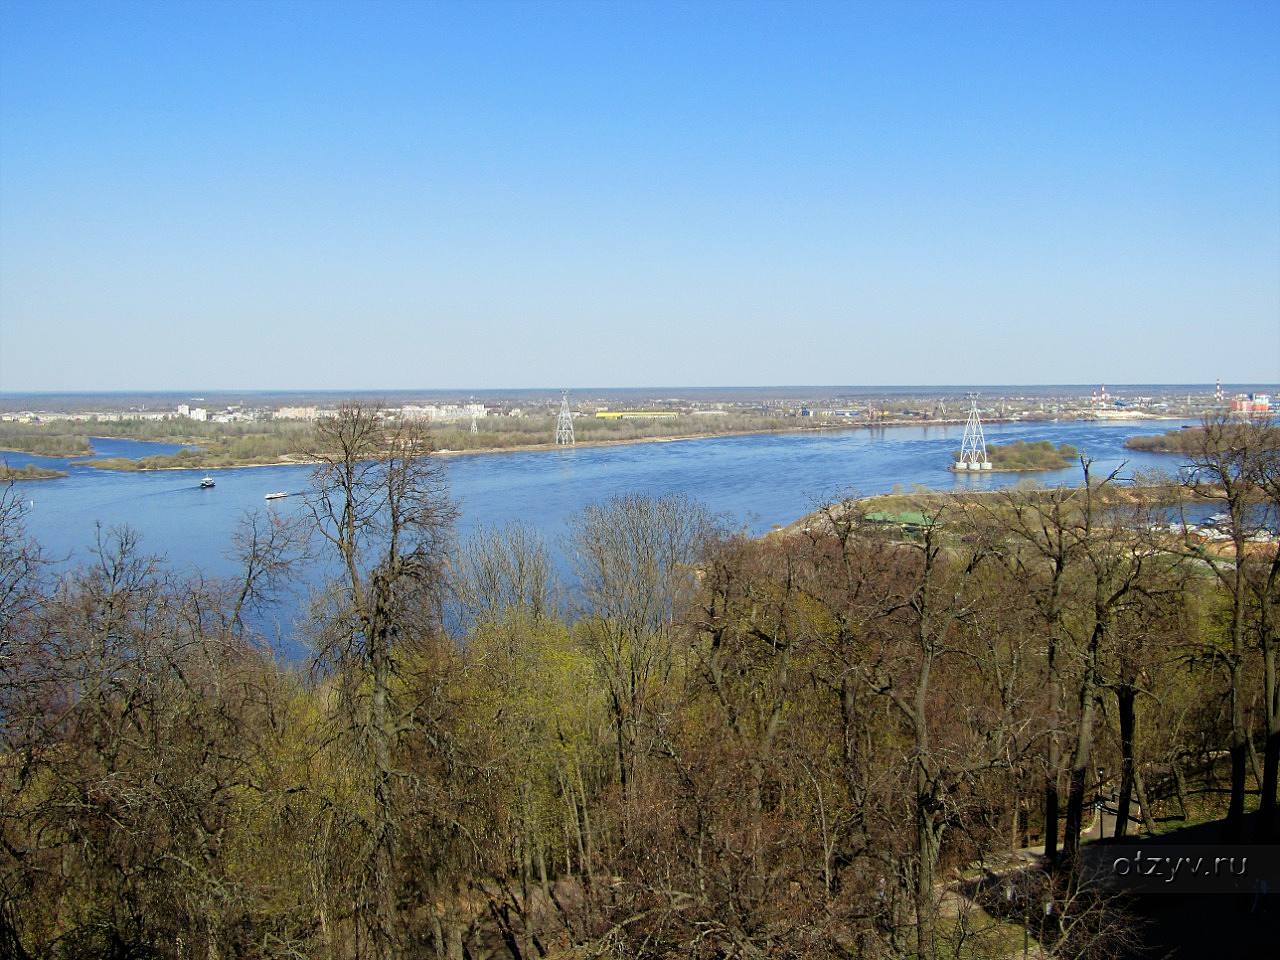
x=435, y=413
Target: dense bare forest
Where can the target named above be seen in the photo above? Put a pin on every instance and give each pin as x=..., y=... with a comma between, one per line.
x=829, y=743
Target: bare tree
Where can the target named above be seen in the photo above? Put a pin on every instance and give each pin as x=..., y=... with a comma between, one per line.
x=1113, y=569
x=1264, y=582
x=503, y=569
x=380, y=502
x=635, y=558
x=268, y=548
x=1031, y=533
x=1226, y=460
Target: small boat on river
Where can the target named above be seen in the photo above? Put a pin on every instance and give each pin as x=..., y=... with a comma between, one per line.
x=206, y=483
x=275, y=496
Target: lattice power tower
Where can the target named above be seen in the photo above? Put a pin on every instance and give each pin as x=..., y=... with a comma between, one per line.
x=564, y=423
x=973, y=448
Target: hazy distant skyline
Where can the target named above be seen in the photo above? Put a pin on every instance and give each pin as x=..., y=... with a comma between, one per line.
x=447, y=196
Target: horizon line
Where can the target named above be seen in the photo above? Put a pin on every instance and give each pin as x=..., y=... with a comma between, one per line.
x=736, y=386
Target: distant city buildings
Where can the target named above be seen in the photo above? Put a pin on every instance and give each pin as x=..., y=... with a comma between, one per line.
x=1251, y=403
x=846, y=412
x=636, y=414
x=923, y=405
x=434, y=413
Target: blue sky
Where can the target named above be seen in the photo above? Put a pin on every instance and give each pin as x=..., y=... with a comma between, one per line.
x=382, y=195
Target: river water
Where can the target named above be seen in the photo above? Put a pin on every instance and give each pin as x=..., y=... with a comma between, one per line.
x=754, y=481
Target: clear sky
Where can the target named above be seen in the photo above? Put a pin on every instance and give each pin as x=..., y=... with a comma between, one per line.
x=438, y=195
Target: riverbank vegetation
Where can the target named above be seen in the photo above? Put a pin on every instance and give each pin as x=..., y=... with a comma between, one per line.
x=224, y=445
x=1190, y=441
x=510, y=432
x=1172, y=441
x=805, y=746
x=1028, y=455
x=272, y=442
x=28, y=472
x=26, y=438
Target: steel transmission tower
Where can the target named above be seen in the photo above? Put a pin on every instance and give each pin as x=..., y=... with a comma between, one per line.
x=973, y=448
x=564, y=423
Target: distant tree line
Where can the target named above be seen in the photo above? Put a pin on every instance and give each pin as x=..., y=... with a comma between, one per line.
x=26, y=439
x=713, y=747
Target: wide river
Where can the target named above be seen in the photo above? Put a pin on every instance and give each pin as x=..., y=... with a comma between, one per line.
x=755, y=481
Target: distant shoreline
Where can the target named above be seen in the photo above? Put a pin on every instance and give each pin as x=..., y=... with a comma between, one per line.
x=518, y=448
x=543, y=447
x=50, y=456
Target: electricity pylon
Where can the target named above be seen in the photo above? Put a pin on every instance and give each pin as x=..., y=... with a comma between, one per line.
x=973, y=448
x=564, y=423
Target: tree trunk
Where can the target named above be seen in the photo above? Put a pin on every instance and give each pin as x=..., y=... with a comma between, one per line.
x=1053, y=773
x=383, y=868
x=1126, y=698
x=1052, y=807
x=1180, y=785
x=1239, y=780
x=624, y=789
x=1239, y=735
x=1268, y=825
x=1239, y=757
x=1081, y=756
x=925, y=895
x=1144, y=803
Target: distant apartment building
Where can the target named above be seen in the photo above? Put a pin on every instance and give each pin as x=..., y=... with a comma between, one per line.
x=199, y=413
x=636, y=414
x=433, y=412
x=1251, y=403
x=830, y=412
x=296, y=413
x=184, y=409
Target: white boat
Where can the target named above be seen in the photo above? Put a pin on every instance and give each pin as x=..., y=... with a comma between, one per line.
x=206, y=483
x=275, y=496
